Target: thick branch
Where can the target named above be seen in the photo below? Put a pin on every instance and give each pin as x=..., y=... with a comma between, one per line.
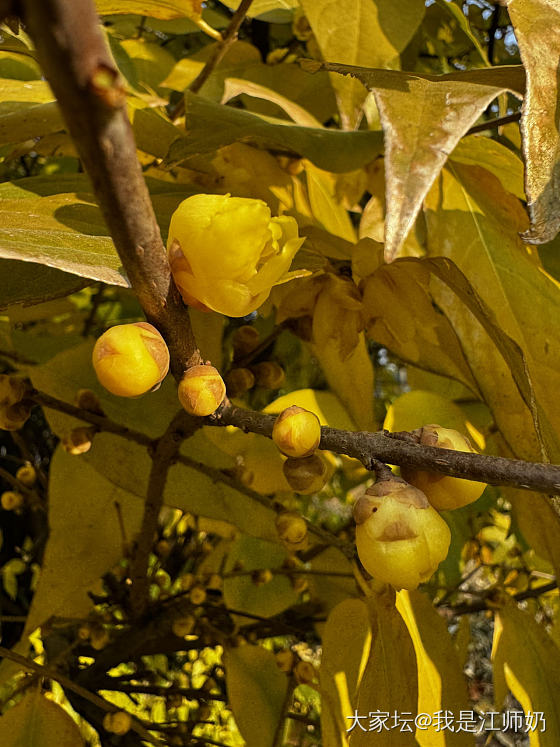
x=80, y=69
x=368, y=447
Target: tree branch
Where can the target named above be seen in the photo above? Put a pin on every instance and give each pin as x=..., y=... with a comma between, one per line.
x=79, y=67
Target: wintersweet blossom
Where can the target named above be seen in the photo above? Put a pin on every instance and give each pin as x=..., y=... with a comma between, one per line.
x=227, y=252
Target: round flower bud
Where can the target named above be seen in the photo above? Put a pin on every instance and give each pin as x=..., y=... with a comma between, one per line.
x=296, y=432
x=239, y=381
x=98, y=638
x=307, y=475
x=117, y=723
x=183, y=626
x=292, y=530
x=444, y=492
x=130, y=359
x=226, y=252
x=27, y=475
x=401, y=539
x=197, y=595
x=304, y=672
x=13, y=389
x=79, y=440
x=88, y=400
x=299, y=584
x=11, y=500
x=14, y=417
x=245, y=339
x=269, y=374
x=285, y=660
x=201, y=390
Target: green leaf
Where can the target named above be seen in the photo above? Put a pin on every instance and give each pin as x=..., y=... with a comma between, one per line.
x=477, y=226
x=361, y=32
x=257, y=690
x=241, y=593
x=416, y=148
x=535, y=23
x=163, y=9
x=38, y=722
x=211, y=126
x=31, y=283
x=441, y=683
x=528, y=659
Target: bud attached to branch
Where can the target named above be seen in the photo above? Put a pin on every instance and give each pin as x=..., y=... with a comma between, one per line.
x=201, y=390
x=444, y=492
x=296, y=432
x=307, y=475
x=400, y=538
x=131, y=359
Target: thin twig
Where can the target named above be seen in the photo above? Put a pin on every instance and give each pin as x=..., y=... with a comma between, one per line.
x=468, y=608
x=229, y=36
x=492, y=124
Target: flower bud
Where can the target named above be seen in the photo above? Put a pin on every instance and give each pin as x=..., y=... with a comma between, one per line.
x=79, y=440
x=183, y=626
x=27, y=475
x=444, y=492
x=285, y=660
x=13, y=417
x=292, y=530
x=304, y=672
x=99, y=638
x=296, y=432
x=201, y=390
x=400, y=538
x=13, y=389
x=306, y=475
x=239, y=381
x=130, y=359
x=269, y=374
x=117, y=723
x=226, y=252
x=261, y=577
x=197, y=595
x=11, y=500
x=245, y=339
x=86, y=399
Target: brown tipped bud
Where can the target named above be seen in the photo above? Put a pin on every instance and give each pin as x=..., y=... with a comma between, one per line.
x=88, y=400
x=261, y=577
x=285, y=660
x=292, y=530
x=98, y=638
x=245, y=339
x=14, y=417
x=296, y=432
x=27, y=475
x=131, y=359
x=84, y=632
x=187, y=581
x=117, y=723
x=306, y=475
x=11, y=500
x=183, y=626
x=239, y=381
x=444, y=492
x=13, y=389
x=162, y=548
x=79, y=441
x=269, y=374
x=197, y=595
x=299, y=584
x=201, y=390
x=304, y=672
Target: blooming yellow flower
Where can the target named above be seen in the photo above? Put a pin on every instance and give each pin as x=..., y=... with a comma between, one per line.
x=227, y=252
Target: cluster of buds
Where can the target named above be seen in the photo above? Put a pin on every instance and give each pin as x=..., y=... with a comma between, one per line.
x=15, y=407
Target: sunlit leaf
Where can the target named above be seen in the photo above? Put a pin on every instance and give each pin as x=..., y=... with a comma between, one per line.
x=38, y=722
x=257, y=691
x=164, y=9
x=535, y=23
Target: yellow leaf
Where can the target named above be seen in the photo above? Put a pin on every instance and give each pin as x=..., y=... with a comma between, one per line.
x=256, y=690
x=528, y=659
x=441, y=684
x=38, y=722
x=535, y=23
x=163, y=9
x=539, y=523
x=346, y=644
x=325, y=405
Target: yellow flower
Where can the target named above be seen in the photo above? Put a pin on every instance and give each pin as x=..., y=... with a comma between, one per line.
x=227, y=252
